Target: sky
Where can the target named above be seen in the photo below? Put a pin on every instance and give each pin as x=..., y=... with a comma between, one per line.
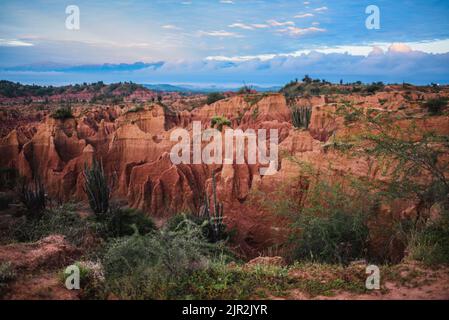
x=223, y=42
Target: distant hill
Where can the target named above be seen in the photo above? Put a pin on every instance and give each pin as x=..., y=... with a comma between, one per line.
x=201, y=89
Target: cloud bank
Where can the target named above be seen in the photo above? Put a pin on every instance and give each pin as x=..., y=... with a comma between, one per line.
x=399, y=63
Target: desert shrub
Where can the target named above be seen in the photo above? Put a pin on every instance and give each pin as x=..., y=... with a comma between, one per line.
x=7, y=275
x=33, y=196
x=332, y=226
x=97, y=189
x=204, y=223
x=62, y=113
x=246, y=89
x=150, y=266
x=435, y=106
x=219, y=122
x=5, y=200
x=214, y=97
x=431, y=244
x=122, y=222
x=301, y=117
x=374, y=87
x=62, y=220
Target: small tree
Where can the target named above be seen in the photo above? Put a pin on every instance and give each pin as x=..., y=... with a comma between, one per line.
x=97, y=188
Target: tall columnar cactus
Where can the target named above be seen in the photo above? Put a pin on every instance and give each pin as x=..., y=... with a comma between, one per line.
x=214, y=214
x=33, y=196
x=301, y=117
x=97, y=188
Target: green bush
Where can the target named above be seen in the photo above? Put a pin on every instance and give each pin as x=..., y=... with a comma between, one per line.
x=122, y=222
x=219, y=122
x=214, y=97
x=332, y=226
x=435, y=106
x=431, y=245
x=63, y=113
x=150, y=266
x=62, y=220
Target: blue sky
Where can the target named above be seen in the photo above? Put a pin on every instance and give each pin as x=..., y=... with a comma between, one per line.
x=228, y=42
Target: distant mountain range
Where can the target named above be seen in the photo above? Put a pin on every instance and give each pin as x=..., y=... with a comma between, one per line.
x=203, y=89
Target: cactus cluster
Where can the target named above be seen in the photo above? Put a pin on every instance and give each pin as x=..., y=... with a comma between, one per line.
x=33, y=196
x=97, y=188
x=213, y=213
x=301, y=117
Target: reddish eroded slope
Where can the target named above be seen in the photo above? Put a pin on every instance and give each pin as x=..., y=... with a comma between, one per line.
x=134, y=146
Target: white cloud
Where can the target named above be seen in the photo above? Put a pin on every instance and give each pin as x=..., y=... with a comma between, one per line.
x=227, y=1
x=170, y=27
x=241, y=26
x=14, y=43
x=294, y=31
x=304, y=15
x=220, y=33
x=248, y=26
x=275, y=23
x=321, y=9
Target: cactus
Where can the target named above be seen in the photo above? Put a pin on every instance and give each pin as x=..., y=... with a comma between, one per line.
x=214, y=215
x=301, y=117
x=97, y=189
x=33, y=196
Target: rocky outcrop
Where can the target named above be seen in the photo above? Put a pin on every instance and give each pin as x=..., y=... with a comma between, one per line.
x=135, y=150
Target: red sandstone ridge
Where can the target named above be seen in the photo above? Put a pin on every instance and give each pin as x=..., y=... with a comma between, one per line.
x=134, y=146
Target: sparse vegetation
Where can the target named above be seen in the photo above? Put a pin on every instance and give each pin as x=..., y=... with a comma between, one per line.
x=33, y=196
x=63, y=113
x=121, y=222
x=7, y=275
x=214, y=97
x=220, y=121
x=136, y=109
x=63, y=220
x=436, y=106
x=301, y=117
x=97, y=188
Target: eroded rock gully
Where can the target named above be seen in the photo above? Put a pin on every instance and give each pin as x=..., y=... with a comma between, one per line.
x=134, y=147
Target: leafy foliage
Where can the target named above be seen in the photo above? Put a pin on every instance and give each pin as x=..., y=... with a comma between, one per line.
x=63, y=113
x=219, y=122
x=121, y=222
x=333, y=225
